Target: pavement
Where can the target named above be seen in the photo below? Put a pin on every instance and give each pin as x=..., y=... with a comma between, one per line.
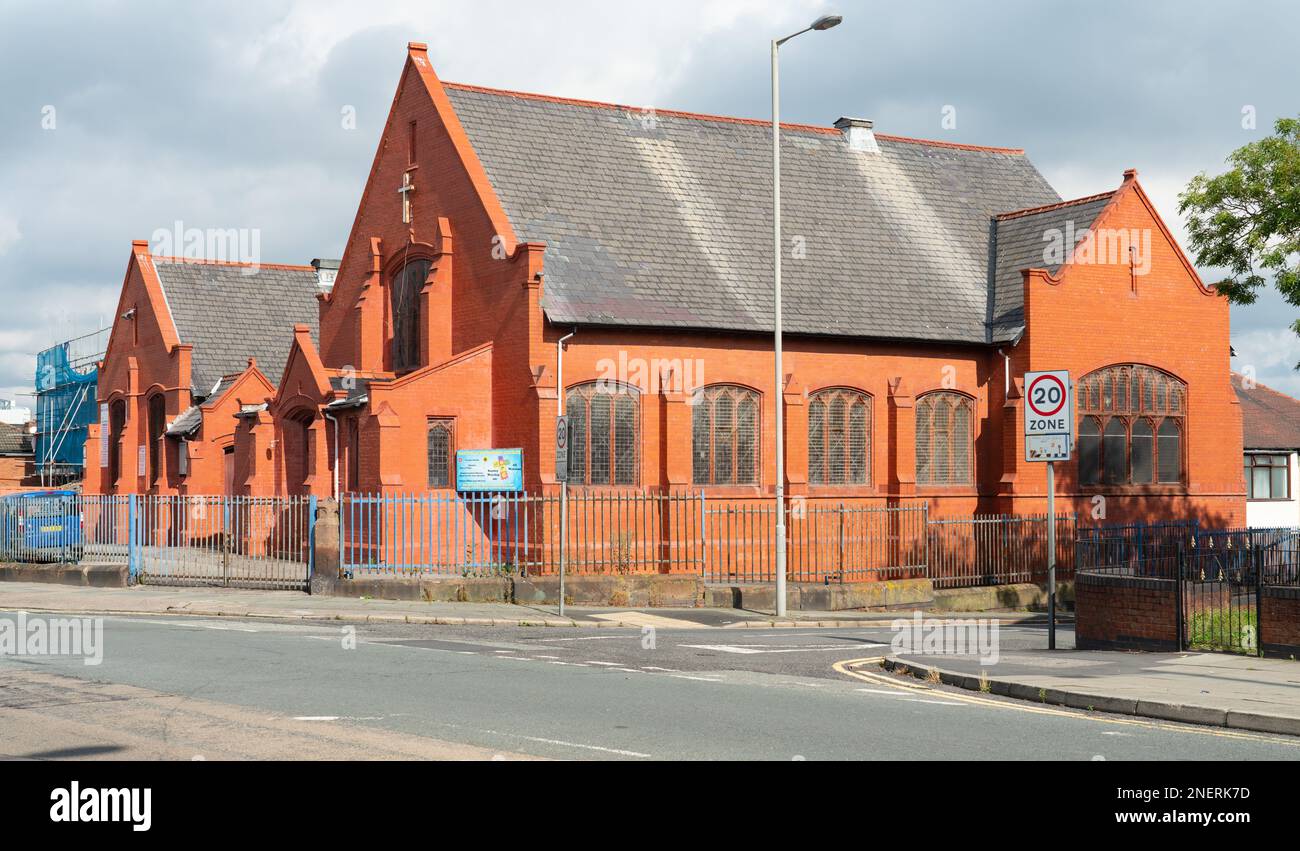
x=188, y=687
x=1214, y=689
x=293, y=605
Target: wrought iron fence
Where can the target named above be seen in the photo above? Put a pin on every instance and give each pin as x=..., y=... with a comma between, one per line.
x=1110, y=547
x=725, y=540
x=1219, y=581
x=828, y=540
x=998, y=549
x=263, y=542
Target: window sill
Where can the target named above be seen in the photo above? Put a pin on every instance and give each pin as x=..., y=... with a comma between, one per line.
x=1280, y=501
x=823, y=491
x=733, y=490
x=970, y=488
x=597, y=490
x=1136, y=490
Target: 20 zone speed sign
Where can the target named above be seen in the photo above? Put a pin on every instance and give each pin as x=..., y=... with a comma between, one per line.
x=1049, y=425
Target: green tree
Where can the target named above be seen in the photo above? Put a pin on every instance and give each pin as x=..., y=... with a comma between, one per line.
x=1247, y=220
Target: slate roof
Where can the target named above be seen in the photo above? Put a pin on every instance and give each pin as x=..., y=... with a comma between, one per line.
x=665, y=220
x=14, y=440
x=1270, y=420
x=230, y=313
x=187, y=423
x=1019, y=244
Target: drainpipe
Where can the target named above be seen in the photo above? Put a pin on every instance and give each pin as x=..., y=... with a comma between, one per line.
x=1006, y=375
x=564, y=485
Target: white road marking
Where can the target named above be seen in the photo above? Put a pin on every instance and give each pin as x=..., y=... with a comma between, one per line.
x=660, y=670
x=751, y=649
x=605, y=664
x=643, y=619
x=724, y=648
x=565, y=744
x=697, y=679
x=316, y=718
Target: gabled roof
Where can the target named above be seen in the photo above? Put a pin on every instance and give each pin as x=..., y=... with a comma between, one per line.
x=665, y=219
x=1270, y=420
x=1019, y=243
x=230, y=312
x=14, y=440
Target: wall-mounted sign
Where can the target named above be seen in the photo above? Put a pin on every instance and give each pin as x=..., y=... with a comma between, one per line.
x=103, y=434
x=490, y=470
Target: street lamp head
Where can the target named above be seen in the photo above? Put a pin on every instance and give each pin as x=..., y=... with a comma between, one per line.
x=826, y=22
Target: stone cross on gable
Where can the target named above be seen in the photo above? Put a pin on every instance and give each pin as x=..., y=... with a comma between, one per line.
x=405, y=191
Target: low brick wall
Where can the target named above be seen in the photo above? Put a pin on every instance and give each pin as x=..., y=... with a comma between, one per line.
x=1125, y=613
x=1281, y=622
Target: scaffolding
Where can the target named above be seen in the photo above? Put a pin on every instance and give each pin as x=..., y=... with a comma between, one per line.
x=66, y=380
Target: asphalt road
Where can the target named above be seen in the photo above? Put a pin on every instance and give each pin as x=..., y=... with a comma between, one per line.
x=187, y=688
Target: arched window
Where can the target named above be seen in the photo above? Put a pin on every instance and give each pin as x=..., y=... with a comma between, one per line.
x=157, y=425
x=404, y=299
x=441, y=440
x=116, y=425
x=1131, y=426
x=300, y=460
x=945, y=438
x=606, y=437
x=724, y=436
x=839, y=438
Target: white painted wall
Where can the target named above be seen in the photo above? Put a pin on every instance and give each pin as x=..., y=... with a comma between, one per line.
x=1270, y=515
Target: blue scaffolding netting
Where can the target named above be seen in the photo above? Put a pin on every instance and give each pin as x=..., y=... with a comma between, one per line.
x=66, y=377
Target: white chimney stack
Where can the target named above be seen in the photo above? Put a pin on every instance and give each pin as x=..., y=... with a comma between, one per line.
x=858, y=133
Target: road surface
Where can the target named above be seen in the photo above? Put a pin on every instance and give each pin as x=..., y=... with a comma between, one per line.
x=190, y=688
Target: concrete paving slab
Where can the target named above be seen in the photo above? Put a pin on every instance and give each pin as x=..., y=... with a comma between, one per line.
x=1210, y=689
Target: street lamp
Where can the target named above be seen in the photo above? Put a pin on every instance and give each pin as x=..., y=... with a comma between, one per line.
x=823, y=23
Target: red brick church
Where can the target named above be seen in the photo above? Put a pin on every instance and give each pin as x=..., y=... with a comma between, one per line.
x=922, y=280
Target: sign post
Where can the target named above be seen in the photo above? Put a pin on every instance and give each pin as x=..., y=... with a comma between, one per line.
x=1049, y=431
x=562, y=476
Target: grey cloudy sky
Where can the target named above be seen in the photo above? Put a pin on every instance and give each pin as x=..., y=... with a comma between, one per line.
x=228, y=115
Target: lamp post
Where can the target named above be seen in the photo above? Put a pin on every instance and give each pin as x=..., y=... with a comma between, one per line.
x=823, y=23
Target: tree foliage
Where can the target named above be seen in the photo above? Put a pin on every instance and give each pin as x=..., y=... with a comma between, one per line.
x=1247, y=220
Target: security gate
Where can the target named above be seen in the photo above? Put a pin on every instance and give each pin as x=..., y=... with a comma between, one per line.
x=229, y=541
x=1228, y=584
x=1221, y=597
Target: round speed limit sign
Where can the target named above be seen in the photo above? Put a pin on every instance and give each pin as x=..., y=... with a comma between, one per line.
x=1047, y=403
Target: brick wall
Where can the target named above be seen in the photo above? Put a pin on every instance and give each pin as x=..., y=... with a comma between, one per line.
x=1281, y=622
x=1125, y=613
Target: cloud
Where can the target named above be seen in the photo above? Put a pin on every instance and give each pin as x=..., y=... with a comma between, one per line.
x=227, y=114
x=1272, y=355
x=9, y=233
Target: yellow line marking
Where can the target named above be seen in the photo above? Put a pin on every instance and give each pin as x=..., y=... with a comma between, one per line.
x=847, y=667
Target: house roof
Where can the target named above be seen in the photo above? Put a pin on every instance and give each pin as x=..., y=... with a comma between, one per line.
x=14, y=440
x=230, y=312
x=665, y=219
x=1270, y=420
